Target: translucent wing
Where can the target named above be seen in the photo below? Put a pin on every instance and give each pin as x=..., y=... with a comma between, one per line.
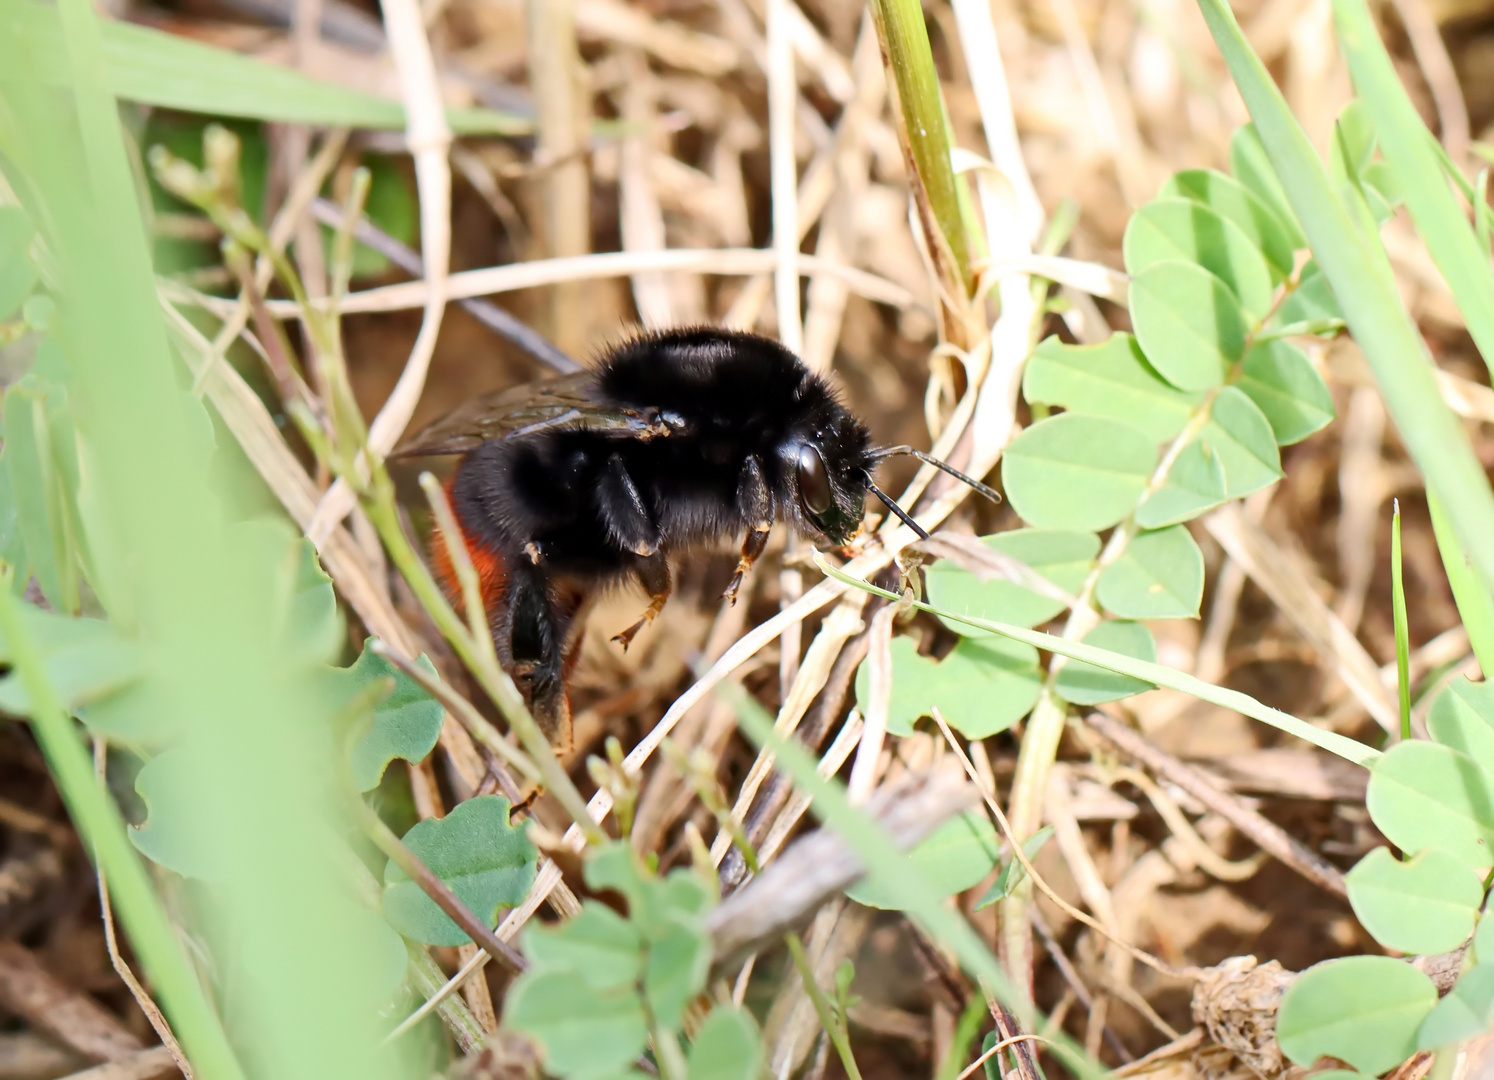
x=567, y=403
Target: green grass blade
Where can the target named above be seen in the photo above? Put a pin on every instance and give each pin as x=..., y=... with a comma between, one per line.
x=1171, y=678
x=103, y=831
x=157, y=68
x=1398, y=608
x=1408, y=148
x=1359, y=271
x=1475, y=606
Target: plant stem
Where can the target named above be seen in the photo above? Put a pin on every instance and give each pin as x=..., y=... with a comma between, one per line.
x=828, y=1020
x=1398, y=607
x=103, y=830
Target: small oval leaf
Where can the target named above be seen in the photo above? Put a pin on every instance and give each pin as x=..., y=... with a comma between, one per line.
x=1159, y=575
x=1194, y=484
x=1242, y=437
x=985, y=685
x=1242, y=206
x=726, y=1047
x=1365, y=1010
x=1423, y=795
x=1111, y=379
x=583, y=1031
x=1178, y=228
x=1062, y=557
x=1188, y=322
x=1085, y=684
x=1462, y=717
x=1077, y=472
x=1287, y=389
x=1426, y=905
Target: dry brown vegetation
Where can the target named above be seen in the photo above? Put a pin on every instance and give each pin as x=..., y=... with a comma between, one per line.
x=1108, y=97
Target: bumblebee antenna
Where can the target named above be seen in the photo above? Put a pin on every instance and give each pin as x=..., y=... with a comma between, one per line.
x=896, y=509
x=908, y=451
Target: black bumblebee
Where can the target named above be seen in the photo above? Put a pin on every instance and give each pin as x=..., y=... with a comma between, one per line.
x=673, y=439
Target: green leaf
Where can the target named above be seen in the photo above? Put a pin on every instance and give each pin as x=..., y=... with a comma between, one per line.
x=1111, y=379
x=596, y=943
x=1252, y=214
x=586, y=1033
x=985, y=685
x=1085, y=684
x=1364, y=1010
x=1464, y=1013
x=956, y=856
x=1195, y=483
x=1063, y=558
x=679, y=959
x=1013, y=873
x=1077, y=472
x=1188, y=322
x=18, y=274
x=40, y=456
x=726, y=1047
x=652, y=903
x=1159, y=575
x=1423, y=795
x=86, y=660
x=1251, y=166
x=1426, y=905
x=1483, y=940
x=157, y=68
x=1287, y=389
x=484, y=860
x=406, y=724
x=1180, y=229
x=1462, y=717
x=1310, y=302
x=172, y=788
x=1242, y=437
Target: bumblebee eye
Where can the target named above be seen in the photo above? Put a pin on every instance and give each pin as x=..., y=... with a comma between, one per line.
x=814, y=482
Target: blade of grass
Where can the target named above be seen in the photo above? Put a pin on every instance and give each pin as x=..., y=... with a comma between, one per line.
x=1475, y=606
x=1364, y=285
x=1171, y=678
x=156, y=68
x=1398, y=607
x=1409, y=149
x=103, y=831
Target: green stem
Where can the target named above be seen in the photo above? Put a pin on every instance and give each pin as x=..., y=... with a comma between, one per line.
x=828, y=1020
x=1398, y=606
x=151, y=933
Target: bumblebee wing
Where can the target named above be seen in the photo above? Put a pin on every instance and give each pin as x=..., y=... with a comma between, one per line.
x=569, y=402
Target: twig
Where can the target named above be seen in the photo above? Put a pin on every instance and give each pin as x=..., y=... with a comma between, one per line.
x=152, y=1011
x=996, y=1049
x=1269, y=837
x=142, y=1065
x=490, y=315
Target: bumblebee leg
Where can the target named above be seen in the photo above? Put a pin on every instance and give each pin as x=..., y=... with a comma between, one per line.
x=756, y=501
x=536, y=647
x=628, y=521
x=653, y=575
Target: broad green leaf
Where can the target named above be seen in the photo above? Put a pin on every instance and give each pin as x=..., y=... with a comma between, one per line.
x=157, y=68
x=1426, y=905
x=1111, y=379
x=1188, y=322
x=1242, y=437
x=983, y=686
x=1252, y=214
x=1180, y=229
x=86, y=660
x=726, y=1047
x=585, y=1032
x=1063, y=558
x=1014, y=873
x=1159, y=575
x=1287, y=389
x=1077, y=472
x=1462, y=717
x=1365, y=1010
x=484, y=860
x=1464, y=1013
x=653, y=903
x=679, y=959
x=17, y=272
x=597, y=943
x=172, y=788
x=1251, y=166
x=1085, y=684
x=956, y=856
x=1422, y=795
x=1311, y=301
x=406, y=724
x=1195, y=483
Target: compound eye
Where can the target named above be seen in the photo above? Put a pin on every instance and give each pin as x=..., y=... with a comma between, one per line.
x=814, y=481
